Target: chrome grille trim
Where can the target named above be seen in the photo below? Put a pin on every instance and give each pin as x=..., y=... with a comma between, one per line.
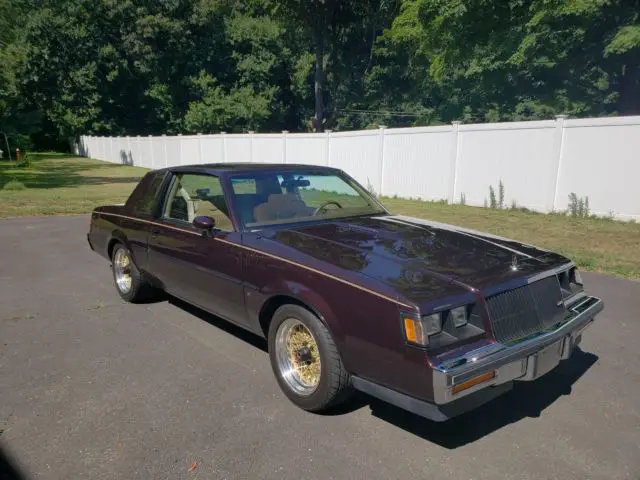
x=525, y=311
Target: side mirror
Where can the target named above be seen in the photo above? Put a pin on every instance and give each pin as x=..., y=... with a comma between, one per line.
x=205, y=223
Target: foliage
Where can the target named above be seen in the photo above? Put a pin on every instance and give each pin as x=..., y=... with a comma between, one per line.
x=14, y=185
x=70, y=67
x=578, y=206
x=496, y=201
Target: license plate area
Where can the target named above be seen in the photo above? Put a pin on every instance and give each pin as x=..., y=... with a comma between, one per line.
x=543, y=361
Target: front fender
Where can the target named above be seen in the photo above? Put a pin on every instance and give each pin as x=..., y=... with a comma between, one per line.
x=258, y=299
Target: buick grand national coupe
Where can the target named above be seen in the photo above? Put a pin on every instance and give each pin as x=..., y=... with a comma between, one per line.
x=433, y=318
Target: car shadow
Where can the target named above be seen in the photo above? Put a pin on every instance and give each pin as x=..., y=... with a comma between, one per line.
x=525, y=400
x=220, y=323
x=8, y=468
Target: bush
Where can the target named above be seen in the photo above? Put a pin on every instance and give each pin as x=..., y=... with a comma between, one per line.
x=26, y=161
x=496, y=202
x=578, y=206
x=14, y=185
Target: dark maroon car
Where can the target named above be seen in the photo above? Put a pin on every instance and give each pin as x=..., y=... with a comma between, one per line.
x=433, y=318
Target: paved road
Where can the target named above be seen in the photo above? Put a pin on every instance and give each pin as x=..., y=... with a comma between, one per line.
x=91, y=387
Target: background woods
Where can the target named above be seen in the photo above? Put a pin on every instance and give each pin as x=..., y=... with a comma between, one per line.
x=140, y=67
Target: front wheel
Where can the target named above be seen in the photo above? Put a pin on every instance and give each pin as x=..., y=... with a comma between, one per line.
x=305, y=360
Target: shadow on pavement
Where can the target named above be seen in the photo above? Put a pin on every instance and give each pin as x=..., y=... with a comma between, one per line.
x=527, y=399
x=220, y=323
x=8, y=468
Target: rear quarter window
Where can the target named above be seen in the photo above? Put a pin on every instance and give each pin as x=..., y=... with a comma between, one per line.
x=143, y=199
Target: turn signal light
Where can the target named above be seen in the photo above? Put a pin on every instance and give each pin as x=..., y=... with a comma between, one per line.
x=485, y=377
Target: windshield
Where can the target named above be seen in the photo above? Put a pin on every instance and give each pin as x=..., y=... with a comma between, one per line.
x=271, y=198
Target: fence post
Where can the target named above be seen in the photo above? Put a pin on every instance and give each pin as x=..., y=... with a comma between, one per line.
x=164, y=148
x=381, y=157
x=150, y=143
x=138, y=139
x=224, y=146
x=251, y=132
x=111, y=150
x=453, y=160
x=200, y=159
x=327, y=147
x=180, y=151
x=129, y=154
x=284, y=145
x=558, y=137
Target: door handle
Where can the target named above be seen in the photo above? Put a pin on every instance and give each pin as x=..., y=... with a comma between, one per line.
x=155, y=232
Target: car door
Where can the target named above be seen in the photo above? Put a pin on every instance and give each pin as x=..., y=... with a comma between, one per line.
x=202, y=269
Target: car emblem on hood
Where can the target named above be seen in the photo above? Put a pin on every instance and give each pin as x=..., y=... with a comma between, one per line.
x=514, y=263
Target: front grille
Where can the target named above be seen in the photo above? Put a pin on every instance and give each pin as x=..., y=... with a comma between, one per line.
x=525, y=311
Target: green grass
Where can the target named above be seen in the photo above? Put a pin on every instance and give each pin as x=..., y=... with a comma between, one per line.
x=57, y=184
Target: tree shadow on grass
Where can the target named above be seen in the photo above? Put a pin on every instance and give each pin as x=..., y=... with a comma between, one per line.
x=59, y=175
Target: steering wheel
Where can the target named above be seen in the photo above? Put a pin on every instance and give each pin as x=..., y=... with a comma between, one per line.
x=324, y=205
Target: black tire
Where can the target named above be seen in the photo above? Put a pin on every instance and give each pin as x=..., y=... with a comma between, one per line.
x=140, y=290
x=333, y=388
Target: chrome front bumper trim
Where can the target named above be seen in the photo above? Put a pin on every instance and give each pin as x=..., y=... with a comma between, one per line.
x=523, y=361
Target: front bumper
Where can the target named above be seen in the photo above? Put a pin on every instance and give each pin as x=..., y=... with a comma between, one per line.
x=525, y=361
x=503, y=364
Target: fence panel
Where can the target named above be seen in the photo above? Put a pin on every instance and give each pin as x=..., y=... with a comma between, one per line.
x=189, y=150
x=358, y=154
x=520, y=154
x=268, y=148
x=417, y=162
x=173, y=151
x=212, y=148
x=600, y=160
x=306, y=148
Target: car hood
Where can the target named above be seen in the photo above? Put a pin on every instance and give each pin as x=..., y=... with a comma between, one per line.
x=414, y=255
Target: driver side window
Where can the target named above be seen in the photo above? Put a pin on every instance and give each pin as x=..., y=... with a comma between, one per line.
x=192, y=195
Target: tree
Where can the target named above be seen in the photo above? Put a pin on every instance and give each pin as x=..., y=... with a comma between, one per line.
x=490, y=60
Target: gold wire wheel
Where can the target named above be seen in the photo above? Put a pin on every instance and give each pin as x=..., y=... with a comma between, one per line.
x=122, y=269
x=298, y=357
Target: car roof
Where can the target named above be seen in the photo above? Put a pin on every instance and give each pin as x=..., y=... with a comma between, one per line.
x=222, y=168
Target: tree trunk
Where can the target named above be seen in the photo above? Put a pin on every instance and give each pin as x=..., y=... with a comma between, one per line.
x=319, y=83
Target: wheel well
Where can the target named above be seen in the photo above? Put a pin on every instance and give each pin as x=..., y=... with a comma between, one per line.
x=112, y=245
x=270, y=307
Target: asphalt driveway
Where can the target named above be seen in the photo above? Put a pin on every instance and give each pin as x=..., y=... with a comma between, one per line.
x=91, y=387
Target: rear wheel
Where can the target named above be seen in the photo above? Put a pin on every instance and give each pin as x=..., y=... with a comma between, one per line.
x=305, y=360
x=126, y=276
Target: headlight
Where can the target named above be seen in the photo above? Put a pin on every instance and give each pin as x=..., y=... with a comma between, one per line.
x=417, y=330
x=459, y=316
x=443, y=328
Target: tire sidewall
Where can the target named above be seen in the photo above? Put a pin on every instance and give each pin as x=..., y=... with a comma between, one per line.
x=322, y=395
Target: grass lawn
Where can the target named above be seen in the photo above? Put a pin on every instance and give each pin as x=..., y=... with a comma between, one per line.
x=55, y=184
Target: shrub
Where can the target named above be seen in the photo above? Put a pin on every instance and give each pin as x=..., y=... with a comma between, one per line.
x=493, y=203
x=578, y=206
x=371, y=189
x=14, y=185
x=26, y=161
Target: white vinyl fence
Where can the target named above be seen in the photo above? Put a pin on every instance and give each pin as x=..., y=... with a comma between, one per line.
x=539, y=163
